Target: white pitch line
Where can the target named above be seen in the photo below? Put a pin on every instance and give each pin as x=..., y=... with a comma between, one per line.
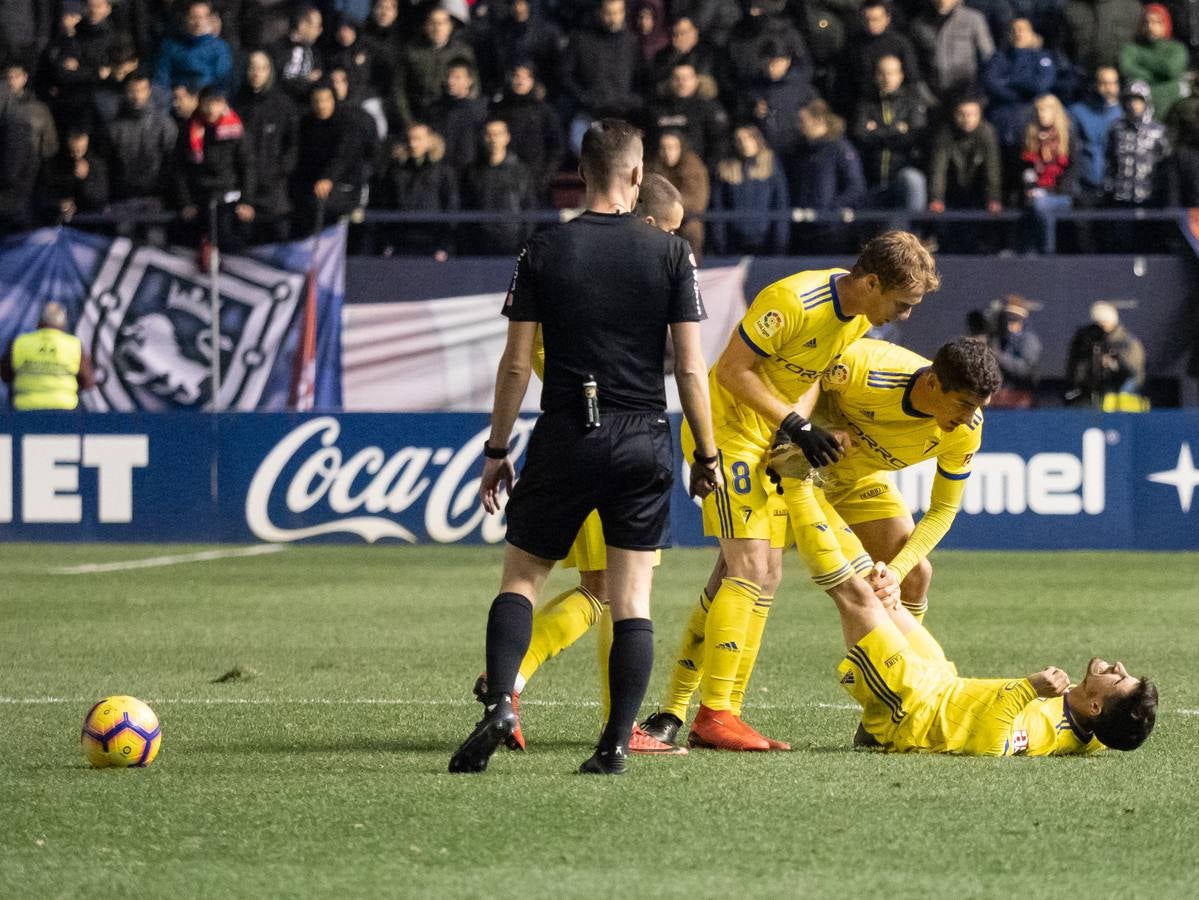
x=153, y=562
x=356, y=701
x=397, y=701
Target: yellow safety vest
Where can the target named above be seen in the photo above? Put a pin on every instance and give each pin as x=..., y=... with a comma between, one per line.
x=45, y=365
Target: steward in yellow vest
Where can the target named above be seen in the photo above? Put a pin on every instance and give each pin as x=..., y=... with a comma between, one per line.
x=47, y=368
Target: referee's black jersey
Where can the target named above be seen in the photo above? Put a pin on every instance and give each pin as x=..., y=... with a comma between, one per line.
x=604, y=288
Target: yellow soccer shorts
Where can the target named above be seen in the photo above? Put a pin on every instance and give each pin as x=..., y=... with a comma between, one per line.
x=871, y=498
x=802, y=516
x=741, y=508
x=897, y=687
x=589, y=553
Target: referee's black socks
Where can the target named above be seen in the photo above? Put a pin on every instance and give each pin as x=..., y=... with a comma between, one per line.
x=629, y=666
x=509, y=630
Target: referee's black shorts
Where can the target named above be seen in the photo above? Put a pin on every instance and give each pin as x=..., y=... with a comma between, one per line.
x=624, y=469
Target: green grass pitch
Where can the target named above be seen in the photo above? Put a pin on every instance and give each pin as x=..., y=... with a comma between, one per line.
x=321, y=771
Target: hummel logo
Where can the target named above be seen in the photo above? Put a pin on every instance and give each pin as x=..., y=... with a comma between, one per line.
x=728, y=645
x=811, y=343
x=848, y=679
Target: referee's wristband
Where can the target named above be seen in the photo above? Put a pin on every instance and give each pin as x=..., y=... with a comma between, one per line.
x=705, y=460
x=494, y=452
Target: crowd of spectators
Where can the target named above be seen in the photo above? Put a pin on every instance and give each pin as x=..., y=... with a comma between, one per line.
x=268, y=117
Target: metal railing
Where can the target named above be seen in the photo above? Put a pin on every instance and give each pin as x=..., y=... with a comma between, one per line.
x=369, y=220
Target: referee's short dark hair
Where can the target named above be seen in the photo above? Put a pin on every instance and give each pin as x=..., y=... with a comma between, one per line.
x=967, y=365
x=657, y=197
x=605, y=146
x=900, y=261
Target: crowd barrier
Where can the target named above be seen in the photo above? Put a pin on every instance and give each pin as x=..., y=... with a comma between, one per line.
x=1046, y=480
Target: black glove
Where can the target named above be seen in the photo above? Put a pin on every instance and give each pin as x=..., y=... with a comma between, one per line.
x=819, y=447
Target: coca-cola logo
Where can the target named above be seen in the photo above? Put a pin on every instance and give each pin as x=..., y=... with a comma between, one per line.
x=367, y=491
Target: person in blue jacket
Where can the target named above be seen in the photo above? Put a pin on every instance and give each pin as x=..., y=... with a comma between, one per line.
x=1013, y=77
x=751, y=180
x=825, y=174
x=196, y=56
x=1093, y=118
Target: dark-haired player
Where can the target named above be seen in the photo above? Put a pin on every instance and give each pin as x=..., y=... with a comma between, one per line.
x=912, y=698
x=606, y=289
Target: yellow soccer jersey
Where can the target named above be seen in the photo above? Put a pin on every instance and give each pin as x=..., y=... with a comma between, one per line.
x=796, y=326
x=1046, y=727
x=912, y=700
x=538, y=360
x=866, y=391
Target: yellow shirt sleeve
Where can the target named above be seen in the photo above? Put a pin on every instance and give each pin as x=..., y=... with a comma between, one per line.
x=1004, y=737
x=957, y=459
x=773, y=320
x=538, y=360
x=949, y=484
x=943, y=508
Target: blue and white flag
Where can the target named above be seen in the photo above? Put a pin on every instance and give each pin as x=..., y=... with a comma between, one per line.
x=144, y=316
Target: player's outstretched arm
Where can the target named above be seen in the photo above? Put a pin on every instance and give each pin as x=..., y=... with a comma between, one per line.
x=511, y=382
x=690, y=373
x=943, y=506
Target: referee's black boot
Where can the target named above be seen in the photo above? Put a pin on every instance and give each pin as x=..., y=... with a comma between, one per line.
x=606, y=762
x=497, y=726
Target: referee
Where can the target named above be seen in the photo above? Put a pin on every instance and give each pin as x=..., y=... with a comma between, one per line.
x=605, y=288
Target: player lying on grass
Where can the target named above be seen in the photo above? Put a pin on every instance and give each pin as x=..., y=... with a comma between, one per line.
x=571, y=614
x=893, y=408
x=913, y=699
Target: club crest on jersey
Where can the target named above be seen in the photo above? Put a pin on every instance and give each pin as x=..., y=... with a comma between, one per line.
x=837, y=374
x=769, y=323
x=1019, y=740
x=147, y=324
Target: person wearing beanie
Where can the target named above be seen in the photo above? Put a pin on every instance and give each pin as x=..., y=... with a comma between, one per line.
x=1104, y=358
x=1156, y=58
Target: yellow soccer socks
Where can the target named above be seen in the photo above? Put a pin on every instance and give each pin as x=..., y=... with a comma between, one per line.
x=557, y=625
x=728, y=619
x=917, y=608
x=749, y=653
x=684, y=677
x=603, y=650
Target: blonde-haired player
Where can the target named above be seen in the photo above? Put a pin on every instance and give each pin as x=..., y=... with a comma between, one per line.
x=568, y=616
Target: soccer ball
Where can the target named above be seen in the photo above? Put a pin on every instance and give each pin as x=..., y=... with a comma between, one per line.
x=119, y=732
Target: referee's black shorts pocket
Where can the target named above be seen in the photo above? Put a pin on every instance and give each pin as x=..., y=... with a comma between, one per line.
x=635, y=502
